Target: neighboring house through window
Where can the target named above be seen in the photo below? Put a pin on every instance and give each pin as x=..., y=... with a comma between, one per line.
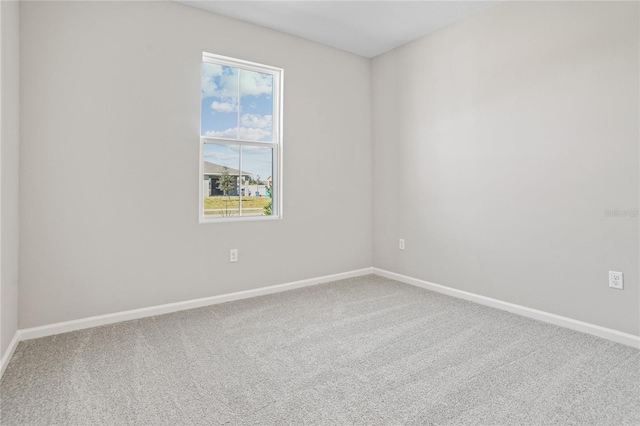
x=240, y=140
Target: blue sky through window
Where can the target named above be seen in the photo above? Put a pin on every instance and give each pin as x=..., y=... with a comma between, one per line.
x=220, y=103
x=247, y=117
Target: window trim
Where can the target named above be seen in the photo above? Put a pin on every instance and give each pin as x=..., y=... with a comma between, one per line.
x=275, y=144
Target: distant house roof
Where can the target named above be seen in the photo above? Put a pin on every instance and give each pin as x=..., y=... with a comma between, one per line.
x=211, y=169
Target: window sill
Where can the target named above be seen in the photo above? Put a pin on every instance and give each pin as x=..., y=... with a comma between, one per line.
x=204, y=220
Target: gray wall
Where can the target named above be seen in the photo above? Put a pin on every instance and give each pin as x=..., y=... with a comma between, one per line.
x=111, y=96
x=498, y=144
x=9, y=147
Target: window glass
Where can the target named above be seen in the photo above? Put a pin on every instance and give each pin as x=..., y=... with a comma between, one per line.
x=221, y=180
x=257, y=191
x=240, y=138
x=256, y=106
x=219, y=109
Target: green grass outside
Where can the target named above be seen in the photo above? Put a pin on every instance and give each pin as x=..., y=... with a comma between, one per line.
x=220, y=202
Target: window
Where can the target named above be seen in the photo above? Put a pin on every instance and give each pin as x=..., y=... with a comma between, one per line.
x=240, y=140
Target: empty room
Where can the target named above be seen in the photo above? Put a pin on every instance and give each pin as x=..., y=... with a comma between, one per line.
x=320, y=213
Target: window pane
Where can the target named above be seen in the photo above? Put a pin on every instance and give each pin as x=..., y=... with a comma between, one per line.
x=221, y=179
x=219, y=108
x=256, y=106
x=257, y=167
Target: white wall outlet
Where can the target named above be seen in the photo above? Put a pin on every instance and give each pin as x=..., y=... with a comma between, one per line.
x=233, y=255
x=401, y=244
x=616, y=280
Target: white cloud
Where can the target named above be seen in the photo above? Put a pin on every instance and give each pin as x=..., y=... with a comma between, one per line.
x=255, y=83
x=228, y=86
x=209, y=72
x=226, y=78
x=246, y=133
x=227, y=134
x=222, y=82
x=228, y=106
x=257, y=121
x=253, y=134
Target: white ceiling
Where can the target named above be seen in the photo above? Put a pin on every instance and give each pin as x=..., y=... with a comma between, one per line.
x=366, y=28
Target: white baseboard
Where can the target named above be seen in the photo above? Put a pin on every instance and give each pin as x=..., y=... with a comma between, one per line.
x=6, y=356
x=79, y=324
x=596, y=330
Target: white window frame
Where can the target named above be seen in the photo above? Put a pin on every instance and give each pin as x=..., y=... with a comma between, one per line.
x=275, y=144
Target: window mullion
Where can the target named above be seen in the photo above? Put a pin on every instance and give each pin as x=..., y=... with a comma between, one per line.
x=238, y=106
x=240, y=183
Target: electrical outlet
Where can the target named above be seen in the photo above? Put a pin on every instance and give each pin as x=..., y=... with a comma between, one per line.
x=616, y=280
x=233, y=255
x=401, y=245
